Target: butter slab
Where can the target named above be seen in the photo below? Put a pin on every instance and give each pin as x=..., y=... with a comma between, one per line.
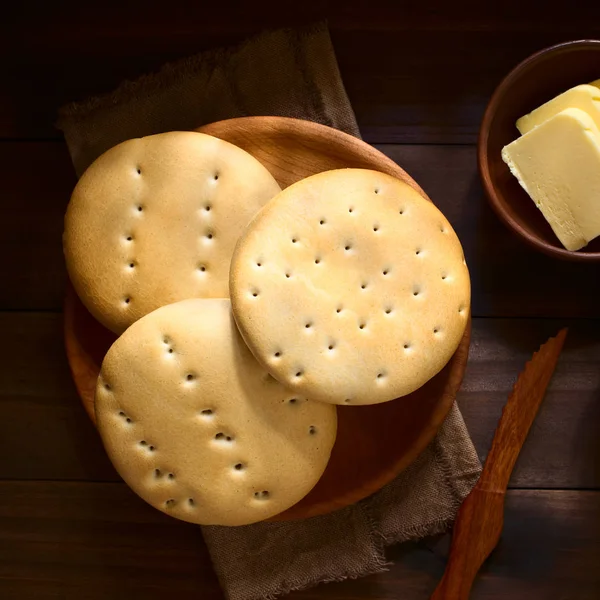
x=558, y=164
x=585, y=97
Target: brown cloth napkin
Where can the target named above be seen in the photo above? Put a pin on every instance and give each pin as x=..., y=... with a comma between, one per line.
x=289, y=73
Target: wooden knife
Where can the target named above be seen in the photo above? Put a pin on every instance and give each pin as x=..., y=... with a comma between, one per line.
x=480, y=518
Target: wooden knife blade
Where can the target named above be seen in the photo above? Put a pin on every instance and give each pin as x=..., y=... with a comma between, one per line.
x=480, y=519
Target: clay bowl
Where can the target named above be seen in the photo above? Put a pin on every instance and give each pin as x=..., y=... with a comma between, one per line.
x=536, y=80
x=375, y=443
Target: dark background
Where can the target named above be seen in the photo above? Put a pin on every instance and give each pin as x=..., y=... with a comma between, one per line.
x=418, y=75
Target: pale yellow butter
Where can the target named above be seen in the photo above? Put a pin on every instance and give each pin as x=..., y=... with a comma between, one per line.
x=584, y=97
x=558, y=165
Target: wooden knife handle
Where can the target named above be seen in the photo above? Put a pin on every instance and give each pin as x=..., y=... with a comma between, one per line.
x=476, y=532
x=479, y=521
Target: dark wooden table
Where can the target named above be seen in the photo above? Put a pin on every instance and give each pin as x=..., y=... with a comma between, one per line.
x=418, y=75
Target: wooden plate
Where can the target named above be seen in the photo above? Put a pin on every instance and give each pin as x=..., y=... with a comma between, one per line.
x=374, y=443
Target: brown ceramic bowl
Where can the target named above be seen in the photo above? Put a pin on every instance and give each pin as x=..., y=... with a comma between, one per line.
x=536, y=80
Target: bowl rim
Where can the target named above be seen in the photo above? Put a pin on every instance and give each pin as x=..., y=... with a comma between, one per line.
x=482, y=154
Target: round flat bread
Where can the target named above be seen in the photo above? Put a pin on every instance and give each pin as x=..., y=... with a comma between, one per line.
x=196, y=426
x=155, y=220
x=350, y=287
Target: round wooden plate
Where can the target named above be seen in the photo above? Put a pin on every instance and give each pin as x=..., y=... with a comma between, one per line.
x=374, y=443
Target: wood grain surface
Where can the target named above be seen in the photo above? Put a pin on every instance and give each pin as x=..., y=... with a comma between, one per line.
x=46, y=550
x=419, y=76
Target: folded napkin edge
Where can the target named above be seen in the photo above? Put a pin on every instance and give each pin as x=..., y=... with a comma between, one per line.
x=169, y=74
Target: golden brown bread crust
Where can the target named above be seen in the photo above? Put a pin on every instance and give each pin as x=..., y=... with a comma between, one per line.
x=350, y=287
x=198, y=429
x=155, y=220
